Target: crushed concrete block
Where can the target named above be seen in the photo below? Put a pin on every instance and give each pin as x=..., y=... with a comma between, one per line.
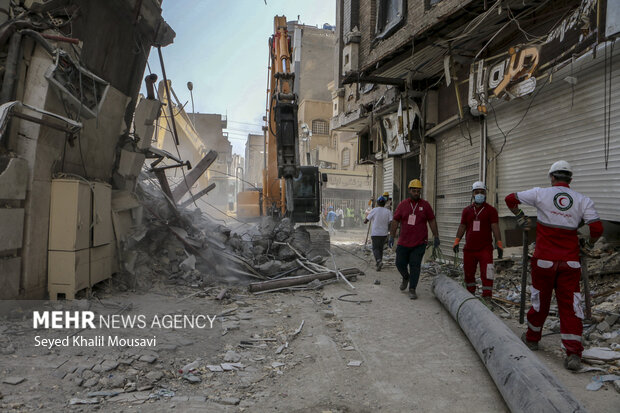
x=611, y=319
x=130, y=397
x=191, y=378
x=154, y=376
x=148, y=358
x=91, y=382
x=603, y=327
x=215, y=368
x=14, y=380
x=84, y=401
x=104, y=393
x=231, y=366
x=232, y=356
x=228, y=401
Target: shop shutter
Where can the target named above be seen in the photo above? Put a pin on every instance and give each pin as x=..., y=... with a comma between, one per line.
x=562, y=123
x=457, y=170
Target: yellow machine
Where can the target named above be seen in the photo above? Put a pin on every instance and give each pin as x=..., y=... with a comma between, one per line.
x=289, y=190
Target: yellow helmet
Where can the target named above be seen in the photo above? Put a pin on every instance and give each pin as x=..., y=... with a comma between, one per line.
x=415, y=183
x=386, y=193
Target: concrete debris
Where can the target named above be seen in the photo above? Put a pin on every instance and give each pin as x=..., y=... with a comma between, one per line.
x=110, y=393
x=192, y=378
x=228, y=401
x=598, y=381
x=354, y=363
x=188, y=247
x=601, y=353
x=84, y=401
x=232, y=356
x=13, y=380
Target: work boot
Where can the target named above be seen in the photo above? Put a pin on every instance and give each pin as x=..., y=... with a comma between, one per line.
x=379, y=265
x=532, y=345
x=403, y=285
x=572, y=362
x=413, y=295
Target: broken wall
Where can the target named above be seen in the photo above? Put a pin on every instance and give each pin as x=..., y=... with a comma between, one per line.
x=92, y=152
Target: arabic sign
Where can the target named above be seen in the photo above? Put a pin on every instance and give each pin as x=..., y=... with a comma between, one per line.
x=513, y=76
x=342, y=181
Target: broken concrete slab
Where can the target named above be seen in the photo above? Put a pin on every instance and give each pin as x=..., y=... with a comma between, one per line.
x=232, y=356
x=14, y=380
x=139, y=396
x=75, y=401
x=600, y=353
x=228, y=401
x=148, y=358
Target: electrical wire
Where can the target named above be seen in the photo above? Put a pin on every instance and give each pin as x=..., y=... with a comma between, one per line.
x=518, y=123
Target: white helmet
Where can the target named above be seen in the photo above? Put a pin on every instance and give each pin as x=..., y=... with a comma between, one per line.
x=478, y=185
x=562, y=168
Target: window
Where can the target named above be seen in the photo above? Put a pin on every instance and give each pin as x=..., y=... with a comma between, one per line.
x=390, y=15
x=320, y=127
x=346, y=157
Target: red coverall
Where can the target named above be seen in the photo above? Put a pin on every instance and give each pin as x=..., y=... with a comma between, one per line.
x=555, y=263
x=479, y=246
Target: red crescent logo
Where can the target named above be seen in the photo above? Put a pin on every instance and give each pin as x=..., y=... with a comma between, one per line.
x=562, y=201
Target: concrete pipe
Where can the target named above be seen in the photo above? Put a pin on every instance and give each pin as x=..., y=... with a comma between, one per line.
x=523, y=380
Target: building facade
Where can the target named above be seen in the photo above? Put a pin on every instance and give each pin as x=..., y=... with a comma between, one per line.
x=458, y=91
x=254, y=161
x=335, y=153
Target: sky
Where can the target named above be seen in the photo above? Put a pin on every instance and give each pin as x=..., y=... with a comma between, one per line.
x=221, y=47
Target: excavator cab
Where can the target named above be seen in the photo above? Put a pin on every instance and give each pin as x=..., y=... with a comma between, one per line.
x=307, y=195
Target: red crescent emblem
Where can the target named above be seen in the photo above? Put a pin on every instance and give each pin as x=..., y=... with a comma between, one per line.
x=562, y=201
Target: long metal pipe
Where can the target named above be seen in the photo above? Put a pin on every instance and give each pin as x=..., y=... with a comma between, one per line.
x=10, y=73
x=483, y=149
x=167, y=86
x=524, y=382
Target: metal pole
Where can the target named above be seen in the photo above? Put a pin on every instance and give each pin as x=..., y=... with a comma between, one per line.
x=163, y=72
x=483, y=149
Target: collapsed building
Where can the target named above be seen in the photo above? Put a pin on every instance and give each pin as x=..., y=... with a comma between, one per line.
x=68, y=98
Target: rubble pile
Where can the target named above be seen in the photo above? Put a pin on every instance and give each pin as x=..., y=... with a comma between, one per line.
x=188, y=247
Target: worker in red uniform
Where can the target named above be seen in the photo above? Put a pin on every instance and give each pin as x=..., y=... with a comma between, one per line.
x=412, y=214
x=479, y=220
x=555, y=264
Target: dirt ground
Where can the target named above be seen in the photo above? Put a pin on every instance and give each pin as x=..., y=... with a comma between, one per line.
x=373, y=351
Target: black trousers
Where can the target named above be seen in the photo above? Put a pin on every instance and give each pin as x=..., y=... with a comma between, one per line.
x=377, y=246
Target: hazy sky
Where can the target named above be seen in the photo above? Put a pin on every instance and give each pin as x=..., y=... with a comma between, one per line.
x=221, y=47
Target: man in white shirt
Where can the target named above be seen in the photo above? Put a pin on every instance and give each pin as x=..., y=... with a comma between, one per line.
x=380, y=218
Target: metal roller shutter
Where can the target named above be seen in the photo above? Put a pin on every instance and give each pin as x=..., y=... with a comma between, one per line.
x=562, y=124
x=388, y=175
x=457, y=170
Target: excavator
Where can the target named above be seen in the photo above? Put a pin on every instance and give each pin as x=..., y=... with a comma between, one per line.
x=289, y=190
